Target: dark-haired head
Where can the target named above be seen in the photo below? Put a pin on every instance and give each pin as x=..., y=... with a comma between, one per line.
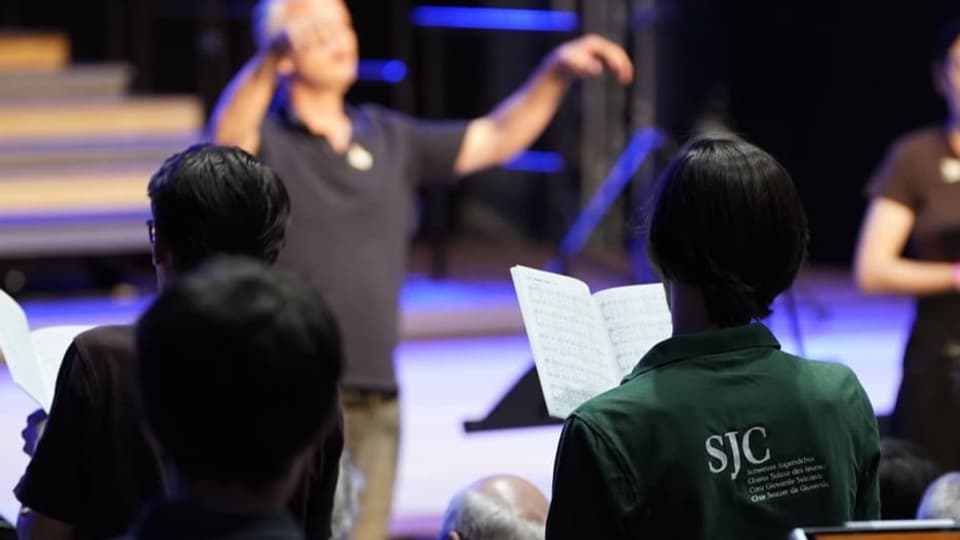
x=239, y=366
x=945, y=59
x=727, y=221
x=210, y=200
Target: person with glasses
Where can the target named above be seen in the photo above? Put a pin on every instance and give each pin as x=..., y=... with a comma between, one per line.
x=915, y=200
x=94, y=468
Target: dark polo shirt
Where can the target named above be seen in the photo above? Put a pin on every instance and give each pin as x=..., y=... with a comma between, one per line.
x=94, y=468
x=351, y=220
x=718, y=435
x=183, y=521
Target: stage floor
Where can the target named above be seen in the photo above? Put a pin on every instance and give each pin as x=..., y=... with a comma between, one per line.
x=464, y=346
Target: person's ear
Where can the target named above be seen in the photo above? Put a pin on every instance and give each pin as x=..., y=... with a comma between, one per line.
x=160, y=251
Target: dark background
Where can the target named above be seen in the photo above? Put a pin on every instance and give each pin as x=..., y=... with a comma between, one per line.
x=824, y=86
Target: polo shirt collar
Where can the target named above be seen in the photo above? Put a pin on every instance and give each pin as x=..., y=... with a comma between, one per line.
x=284, y=111
x=687, y=346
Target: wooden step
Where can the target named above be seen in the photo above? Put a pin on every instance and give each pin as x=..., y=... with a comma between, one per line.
x=75, y=189
x=22, y=155
x=75, y=235
x=100, y=118
x=77, y=81
x=74, y=211
x=34, y=51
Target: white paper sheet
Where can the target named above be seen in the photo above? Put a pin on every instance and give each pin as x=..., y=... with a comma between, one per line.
x=637, y=318
x=570, y=346
x=18, y=351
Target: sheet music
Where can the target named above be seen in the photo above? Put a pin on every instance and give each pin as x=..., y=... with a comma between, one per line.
x=18, y=352
x=49, y=345
x=570, y=347
x=637, y=318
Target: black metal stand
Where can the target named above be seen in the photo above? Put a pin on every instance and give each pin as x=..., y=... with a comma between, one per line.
x=521, y=406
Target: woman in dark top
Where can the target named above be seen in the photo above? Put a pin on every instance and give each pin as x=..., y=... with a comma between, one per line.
x=915, y=197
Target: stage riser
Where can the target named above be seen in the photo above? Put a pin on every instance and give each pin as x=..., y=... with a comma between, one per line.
x=34, y=51
x=24, y=155
x=94, y=81
x=129, y=117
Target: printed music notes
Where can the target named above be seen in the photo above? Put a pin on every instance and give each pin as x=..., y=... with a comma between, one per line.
x=583, y=345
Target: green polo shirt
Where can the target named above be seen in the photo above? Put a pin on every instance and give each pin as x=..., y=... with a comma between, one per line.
x=718, y=435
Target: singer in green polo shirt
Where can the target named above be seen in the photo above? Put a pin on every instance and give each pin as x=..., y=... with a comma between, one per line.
x=718, y=434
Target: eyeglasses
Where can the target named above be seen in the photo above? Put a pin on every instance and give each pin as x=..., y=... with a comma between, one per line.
x=152, y=231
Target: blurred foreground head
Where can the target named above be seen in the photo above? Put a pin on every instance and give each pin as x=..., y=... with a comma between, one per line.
x=239, y=366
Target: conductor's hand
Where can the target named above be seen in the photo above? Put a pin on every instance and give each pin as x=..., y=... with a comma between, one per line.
x=590, y=56
x=33, y=431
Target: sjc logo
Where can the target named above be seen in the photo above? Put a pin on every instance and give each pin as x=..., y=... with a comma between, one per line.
x=748, y=445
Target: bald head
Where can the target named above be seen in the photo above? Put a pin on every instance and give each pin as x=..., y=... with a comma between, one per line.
x=499, y=507
x=942, y=499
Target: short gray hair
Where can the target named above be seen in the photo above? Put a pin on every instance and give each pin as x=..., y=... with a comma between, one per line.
x=266, y=17
x=942, y=499
x=478, y=516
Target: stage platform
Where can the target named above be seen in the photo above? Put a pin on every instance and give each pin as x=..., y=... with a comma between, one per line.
x=463, y=346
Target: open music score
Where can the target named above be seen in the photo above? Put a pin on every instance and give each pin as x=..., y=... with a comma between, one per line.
x=583, y=344
x=33, y=358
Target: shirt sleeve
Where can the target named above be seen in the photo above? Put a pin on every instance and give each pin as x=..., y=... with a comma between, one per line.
x=433, y=147
x=895, y=178
x=54, y=481
x=590, y=489
x=867, y=506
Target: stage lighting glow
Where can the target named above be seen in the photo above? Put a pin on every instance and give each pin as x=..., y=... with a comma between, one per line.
x=386, y=71
x=533, y=20
x=537, y=162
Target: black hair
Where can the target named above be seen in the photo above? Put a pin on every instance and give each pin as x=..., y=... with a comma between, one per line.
x=727, y=220
x=238, y=371
x=943, y=41
x=210, y=200
x=905, y=472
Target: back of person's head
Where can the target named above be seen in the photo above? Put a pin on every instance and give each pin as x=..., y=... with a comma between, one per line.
x=944, y=40
x=210, y=200
x=239, y=366
x=942, y=499
x=905, y=472
x=727, y=220
x=496, y=508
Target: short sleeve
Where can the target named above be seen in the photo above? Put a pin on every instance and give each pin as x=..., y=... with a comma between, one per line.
x=895, y=178
x=54, y=479
x=433, y=147
x=867, y=506
x=590, y=488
